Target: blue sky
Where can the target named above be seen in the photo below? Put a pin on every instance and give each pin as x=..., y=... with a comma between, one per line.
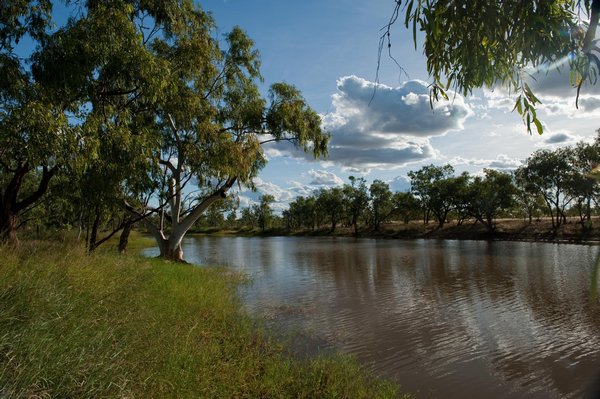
x=329, y=51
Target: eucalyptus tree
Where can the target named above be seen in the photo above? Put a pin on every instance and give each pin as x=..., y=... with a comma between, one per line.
x=356, y=198
x=104, y=63
x=483, y=43
x=550, y=173
x=489, y=195
x=381, y=206
x=330, y=202
x=213, y=121
x=35, y=135
x=426, y=185
x=155, y=78
x=263, y=211
x=405, y=205
x=584, y=187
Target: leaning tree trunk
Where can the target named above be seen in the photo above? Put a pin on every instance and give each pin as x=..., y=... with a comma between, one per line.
x=170, y=247
x=124, y=238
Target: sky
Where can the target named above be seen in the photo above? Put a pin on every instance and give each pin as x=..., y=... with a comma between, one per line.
x=329, y=50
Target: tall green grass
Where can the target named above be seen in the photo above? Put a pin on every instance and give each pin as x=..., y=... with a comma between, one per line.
x=104, y=325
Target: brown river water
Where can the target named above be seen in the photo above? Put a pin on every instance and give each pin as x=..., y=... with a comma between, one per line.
x=447, y=319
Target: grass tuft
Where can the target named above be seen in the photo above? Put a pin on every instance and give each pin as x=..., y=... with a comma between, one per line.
x=104, y=325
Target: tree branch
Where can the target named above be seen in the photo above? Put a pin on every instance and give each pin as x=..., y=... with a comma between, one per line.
x=42, y=188
x=168, y=164
x=117, y=92
x=289, y=139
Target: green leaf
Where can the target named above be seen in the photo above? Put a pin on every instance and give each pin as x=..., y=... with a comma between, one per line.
x=538, y=125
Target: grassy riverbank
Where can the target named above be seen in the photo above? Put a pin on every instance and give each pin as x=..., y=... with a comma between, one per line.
x=73, y=325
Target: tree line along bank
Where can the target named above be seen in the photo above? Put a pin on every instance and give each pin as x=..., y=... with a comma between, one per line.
x=552, y=183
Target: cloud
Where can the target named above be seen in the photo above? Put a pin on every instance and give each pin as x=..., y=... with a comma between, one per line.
x=556, y=92
x=501, y=162
x=386, y=127
x=400, y=184
x=301, y=189
x=383, y=127
x=560, y=138
x=280, y=194
x=381, y=157
x=589, y=104
x=405, y=110
x=556, y=83
x=324, y=178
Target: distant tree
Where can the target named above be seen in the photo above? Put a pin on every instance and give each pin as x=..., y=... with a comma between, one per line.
x=231, y=221
x=263, y=212
x=248, y=218
x=330, y=202
x=432, y=186
x=550, y=173
x=583, y=187
x=302, y=212
x=405, y=205
x=381, y=206
x=356, y=198
x=459, y=197
x=528, y=199
x=449, y=195
x=489, y=195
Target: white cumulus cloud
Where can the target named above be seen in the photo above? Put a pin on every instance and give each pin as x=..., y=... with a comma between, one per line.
x=280, y=194
x=386, y=127
x=377, y=126
x=501, y=162
x=400, y=184
x=324, y=178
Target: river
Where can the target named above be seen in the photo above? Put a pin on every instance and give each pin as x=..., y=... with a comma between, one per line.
x=444, y=318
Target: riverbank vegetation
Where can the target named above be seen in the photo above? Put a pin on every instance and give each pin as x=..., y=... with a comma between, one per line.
x=107, y=325
x=553, y=195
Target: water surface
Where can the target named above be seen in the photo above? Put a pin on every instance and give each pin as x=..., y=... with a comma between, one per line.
x=448, y=319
